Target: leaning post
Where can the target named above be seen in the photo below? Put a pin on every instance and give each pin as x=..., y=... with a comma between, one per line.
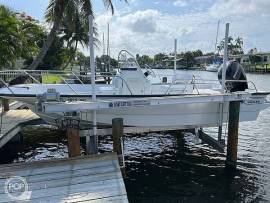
x=117, y=136
x=232, y=142
x=73, y=136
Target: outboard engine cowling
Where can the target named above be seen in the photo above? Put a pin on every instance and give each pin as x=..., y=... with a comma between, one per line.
x=234, y=71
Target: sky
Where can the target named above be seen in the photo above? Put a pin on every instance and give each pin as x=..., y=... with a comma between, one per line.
x=150, y=26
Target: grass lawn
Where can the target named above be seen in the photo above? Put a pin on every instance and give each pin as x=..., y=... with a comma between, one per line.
x=51, y=79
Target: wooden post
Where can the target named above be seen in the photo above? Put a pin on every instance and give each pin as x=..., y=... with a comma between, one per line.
x=232, y=142
x=73, y=142
x=5, y=103
x=117, y=135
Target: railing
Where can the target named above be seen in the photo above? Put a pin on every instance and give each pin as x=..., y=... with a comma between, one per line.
x=124, y=81
x=36, y=76
x=194, y=82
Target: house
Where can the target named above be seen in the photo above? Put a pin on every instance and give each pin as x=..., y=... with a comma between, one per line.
x=245, y=58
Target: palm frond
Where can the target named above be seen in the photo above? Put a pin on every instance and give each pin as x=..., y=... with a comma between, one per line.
x=55, y=10
x=86, y=7
x=109, y=5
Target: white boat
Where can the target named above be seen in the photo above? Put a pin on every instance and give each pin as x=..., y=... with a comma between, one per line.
x=140, y=102
x=213, y=67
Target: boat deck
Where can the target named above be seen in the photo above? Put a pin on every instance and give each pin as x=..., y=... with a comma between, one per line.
x=95, y=178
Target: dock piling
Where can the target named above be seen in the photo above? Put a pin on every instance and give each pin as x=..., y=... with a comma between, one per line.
x=73, y=136
x=232, y=142
x=117, y=135
x=5, y=103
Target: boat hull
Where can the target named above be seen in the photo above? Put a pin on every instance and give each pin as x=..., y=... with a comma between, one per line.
x=173, y=115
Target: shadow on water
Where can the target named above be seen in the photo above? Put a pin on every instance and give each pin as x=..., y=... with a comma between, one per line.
x=38, y=143
x=175, y=167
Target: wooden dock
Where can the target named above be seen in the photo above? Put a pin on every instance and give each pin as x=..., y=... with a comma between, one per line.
x=12, y=121
x=95, y=178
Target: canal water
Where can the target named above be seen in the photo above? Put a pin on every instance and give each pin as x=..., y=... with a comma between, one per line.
x=174, y=166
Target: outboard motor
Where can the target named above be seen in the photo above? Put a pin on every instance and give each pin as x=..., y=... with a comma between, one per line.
x=234, y=71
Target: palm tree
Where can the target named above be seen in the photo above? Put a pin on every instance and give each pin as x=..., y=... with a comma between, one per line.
x=58, y=10
x=16, y=37
x=76, y=34
x=239, y=45
x=9, y=27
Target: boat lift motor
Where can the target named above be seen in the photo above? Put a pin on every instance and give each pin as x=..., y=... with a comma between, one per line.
x=234, y=71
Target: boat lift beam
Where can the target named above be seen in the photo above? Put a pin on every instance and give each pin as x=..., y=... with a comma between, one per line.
x=216, y=144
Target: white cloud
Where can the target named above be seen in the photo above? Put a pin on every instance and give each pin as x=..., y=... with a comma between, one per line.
x=180, y=3
x=152, y=31
x=103, y=19
x=141, y=21
x=236, y=8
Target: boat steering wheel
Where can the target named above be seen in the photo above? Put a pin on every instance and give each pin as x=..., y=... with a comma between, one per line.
x=149, y=70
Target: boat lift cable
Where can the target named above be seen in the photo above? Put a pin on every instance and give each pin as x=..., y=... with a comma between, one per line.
x=226, y=129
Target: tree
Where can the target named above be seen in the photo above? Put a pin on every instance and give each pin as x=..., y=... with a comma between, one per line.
x=75, y=31
x=103, y=63
x=56, y=56
x=59, y=11
x=158, y=58
x=144, y=60
x=255, y=59
x=238, y=45
x=17, y=38
x=80, y=59
x=189, y=58
x=209, y=54
x=197, y=53
x=234, y=46
x=252, y=51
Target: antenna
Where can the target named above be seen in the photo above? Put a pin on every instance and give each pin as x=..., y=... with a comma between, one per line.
x=103, y=45
x=217, y=36
x=175, y=60
x=108, y=48
x=225, y=56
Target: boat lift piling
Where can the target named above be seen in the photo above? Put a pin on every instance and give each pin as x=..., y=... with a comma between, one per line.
x=73, y=136
x=117, y=137
x=93, y=140
x=225, y=59
x=5, y=104
x=234, y=111
x=232, y=141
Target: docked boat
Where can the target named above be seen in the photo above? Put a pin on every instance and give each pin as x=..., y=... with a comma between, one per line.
x=139, y=101
x=216, y=63
x=213, y=67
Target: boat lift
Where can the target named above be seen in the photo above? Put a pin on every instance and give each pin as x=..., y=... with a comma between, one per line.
x=95, y=105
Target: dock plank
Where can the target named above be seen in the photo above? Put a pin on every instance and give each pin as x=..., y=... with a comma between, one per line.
x=83, y=179
x=12, y=121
